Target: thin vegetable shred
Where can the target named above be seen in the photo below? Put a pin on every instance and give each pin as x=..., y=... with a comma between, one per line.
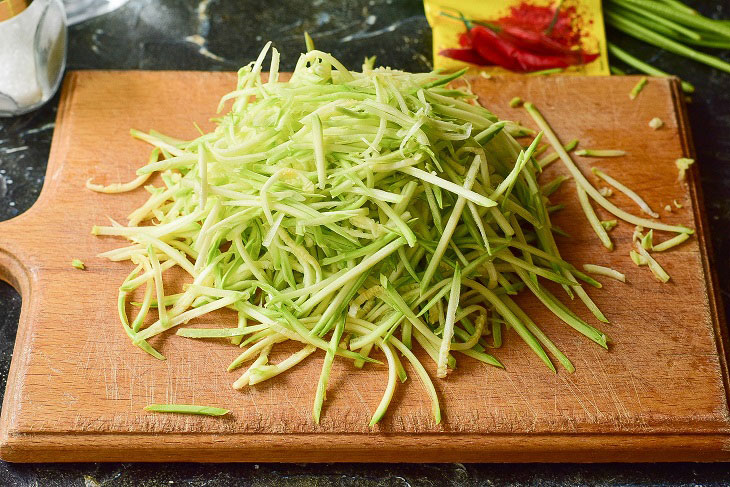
x=349, y=212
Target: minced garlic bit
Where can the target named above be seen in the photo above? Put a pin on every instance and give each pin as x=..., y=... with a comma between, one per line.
x=656, y=123
x=605, y=191
x=668, y=208
x=683, y=164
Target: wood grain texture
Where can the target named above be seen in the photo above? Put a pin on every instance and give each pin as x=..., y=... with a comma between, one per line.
x=77, y=386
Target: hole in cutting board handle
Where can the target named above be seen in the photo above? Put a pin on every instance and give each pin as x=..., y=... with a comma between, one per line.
x=12, y=269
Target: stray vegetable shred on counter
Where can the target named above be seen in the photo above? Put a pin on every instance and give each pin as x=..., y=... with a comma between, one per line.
x=519, y=36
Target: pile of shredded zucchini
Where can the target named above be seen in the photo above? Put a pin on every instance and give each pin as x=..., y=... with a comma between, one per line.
x=348, y=211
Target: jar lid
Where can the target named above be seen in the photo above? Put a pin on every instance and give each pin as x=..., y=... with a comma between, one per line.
x=11, y=8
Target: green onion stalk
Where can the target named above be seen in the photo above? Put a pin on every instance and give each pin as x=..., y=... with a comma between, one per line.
x=669, y=25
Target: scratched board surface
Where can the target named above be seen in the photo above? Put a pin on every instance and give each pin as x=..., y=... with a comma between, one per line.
x=77, y=386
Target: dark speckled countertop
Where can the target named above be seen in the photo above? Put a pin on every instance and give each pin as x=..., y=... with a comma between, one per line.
x=219, y=35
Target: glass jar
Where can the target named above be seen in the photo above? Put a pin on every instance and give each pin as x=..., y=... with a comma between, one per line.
x=32, y=55
x=79, y=10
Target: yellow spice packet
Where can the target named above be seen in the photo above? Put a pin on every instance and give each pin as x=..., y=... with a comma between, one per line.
x=519, y=36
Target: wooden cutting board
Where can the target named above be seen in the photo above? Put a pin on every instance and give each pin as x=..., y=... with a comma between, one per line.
x=77, y=386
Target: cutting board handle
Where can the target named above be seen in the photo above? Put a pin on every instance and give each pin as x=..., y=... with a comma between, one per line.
x=13, y=264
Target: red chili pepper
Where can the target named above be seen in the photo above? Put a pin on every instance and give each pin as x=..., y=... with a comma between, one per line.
x=513, y=47
x=493, y=48
x=526, y=39
x=586, y=57
x=468, y=55
x=562, y=24
x=539, y=43
x=536, y=42
x=465, y=40
x=502, y=52
x=537, y=62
